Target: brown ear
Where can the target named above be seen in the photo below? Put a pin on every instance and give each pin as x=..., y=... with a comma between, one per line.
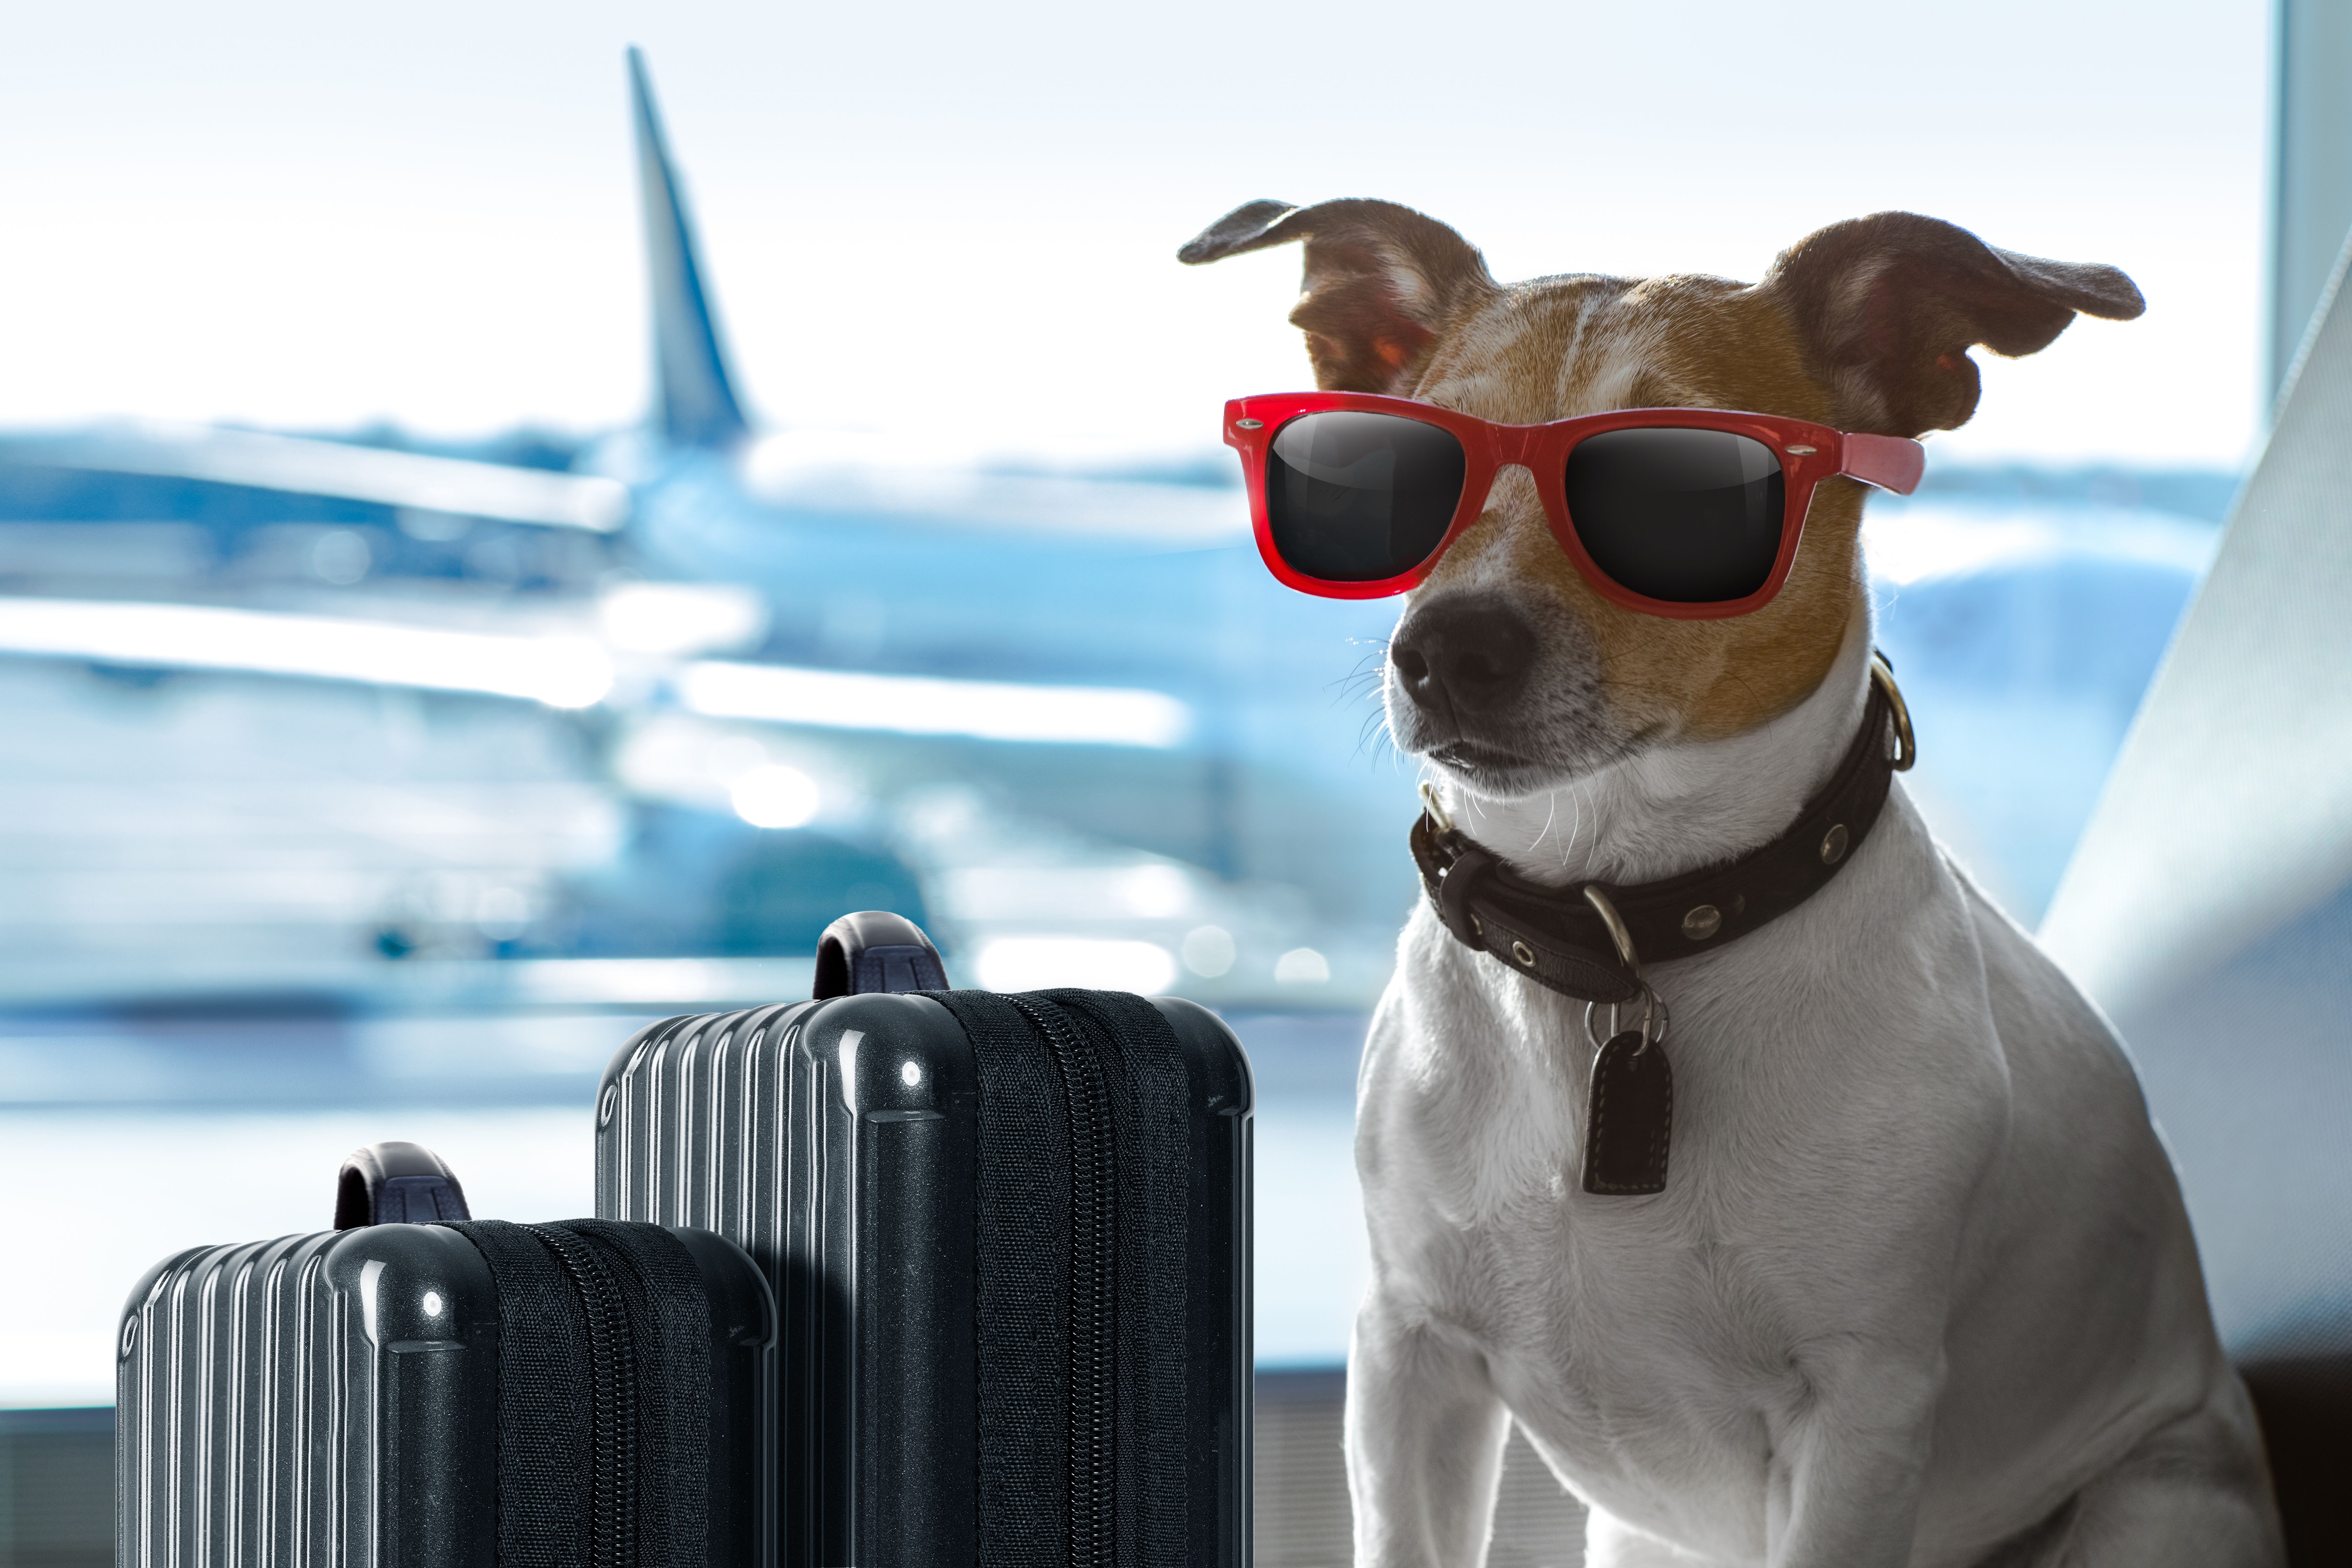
x=1381, y=281
x=1889, y=305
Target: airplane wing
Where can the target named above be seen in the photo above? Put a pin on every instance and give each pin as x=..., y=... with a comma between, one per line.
x=301, y=466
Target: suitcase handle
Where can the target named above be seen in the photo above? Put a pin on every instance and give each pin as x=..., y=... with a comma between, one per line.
x=874, y=950
x=394, y=1184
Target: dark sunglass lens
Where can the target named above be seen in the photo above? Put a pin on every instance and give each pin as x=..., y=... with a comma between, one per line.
x=1359, y=498
x=1692, y=517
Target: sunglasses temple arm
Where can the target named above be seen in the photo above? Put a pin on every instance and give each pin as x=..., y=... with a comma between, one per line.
x=1890, y=462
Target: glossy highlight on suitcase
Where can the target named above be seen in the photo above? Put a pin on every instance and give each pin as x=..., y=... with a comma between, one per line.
x=1009, y=1240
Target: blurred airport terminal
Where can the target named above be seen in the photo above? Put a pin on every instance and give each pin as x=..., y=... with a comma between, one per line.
x=356, y=785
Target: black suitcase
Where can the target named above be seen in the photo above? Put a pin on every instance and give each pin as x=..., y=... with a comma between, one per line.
x=1009, y=1239
x=453, y=1394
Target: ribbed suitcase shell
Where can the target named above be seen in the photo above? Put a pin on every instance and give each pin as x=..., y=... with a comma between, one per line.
x=331, y=1400
x=836, y=1142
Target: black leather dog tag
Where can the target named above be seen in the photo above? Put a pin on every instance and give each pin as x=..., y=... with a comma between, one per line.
x=1629, y=1117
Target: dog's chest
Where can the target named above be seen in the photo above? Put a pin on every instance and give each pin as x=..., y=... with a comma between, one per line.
x=1522, y=1252
x=1638, y=1340
x=1632, y=1335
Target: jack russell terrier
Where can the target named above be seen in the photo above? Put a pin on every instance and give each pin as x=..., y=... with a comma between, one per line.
x=1716, y=1128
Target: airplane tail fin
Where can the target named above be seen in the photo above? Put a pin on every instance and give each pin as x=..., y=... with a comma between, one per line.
x=693, y=395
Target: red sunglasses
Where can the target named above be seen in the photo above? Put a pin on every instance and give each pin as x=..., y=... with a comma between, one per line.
x=1689, y=513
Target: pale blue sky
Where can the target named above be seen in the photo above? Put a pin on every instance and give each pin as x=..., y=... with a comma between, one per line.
x=309, y=215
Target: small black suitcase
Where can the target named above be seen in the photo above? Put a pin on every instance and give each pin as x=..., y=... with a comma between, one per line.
x=466, y=1394
x=1009, y=1239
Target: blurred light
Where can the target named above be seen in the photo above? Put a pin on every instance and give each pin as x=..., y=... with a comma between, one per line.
x=451, y=895
x=1917, y=539
x=875, y=466
x=1040, y=895
x=680, y=617
x=775, y=796
x=1034, y=962
x=1302, y=966
x=1155, y=891
x=666, y=756
x=561, y=671
x=919, y=705
x=1208, y=951
x=674, y=984
x=732, y=756
x=501, y=913
x=341, y=558
x=432, y=527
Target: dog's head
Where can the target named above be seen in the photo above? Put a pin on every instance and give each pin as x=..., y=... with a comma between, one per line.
x=1507, y=670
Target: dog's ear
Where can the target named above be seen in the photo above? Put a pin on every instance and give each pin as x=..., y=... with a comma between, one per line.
x=1382, y=280
x=1890, y=305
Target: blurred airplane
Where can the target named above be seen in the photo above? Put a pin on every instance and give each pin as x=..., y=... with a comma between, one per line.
x=302, y=714
x=1042, y=707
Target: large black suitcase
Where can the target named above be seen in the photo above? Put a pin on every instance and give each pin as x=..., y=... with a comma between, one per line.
x=445, y=1394
x=1009, y=1239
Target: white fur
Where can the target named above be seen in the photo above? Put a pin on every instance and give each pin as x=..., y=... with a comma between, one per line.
x=1920, y=1281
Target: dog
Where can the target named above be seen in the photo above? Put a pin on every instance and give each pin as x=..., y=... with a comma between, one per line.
x=1921, y=1288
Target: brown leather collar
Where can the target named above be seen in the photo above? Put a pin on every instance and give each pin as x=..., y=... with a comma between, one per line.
x=1559, y=938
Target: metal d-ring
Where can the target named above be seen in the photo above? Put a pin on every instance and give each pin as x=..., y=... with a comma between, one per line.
x=1653, y=1019
x=1618, y=932
x=1907, y=745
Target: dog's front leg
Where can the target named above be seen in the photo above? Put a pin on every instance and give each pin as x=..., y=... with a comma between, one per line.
x=1425, y=1431
x=1848, y=1459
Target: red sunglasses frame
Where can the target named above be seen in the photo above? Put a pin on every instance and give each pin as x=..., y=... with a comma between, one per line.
x=1808, y=453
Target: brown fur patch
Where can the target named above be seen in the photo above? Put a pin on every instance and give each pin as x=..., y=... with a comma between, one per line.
x=1560, y=347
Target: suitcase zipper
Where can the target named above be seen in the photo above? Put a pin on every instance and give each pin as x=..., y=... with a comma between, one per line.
x=612, y=1401
x=1093, y=1250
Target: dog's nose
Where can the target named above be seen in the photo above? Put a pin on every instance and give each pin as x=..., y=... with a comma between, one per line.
x=1473, y=656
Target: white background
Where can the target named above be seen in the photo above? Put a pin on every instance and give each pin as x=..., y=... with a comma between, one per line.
x=957, y=222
